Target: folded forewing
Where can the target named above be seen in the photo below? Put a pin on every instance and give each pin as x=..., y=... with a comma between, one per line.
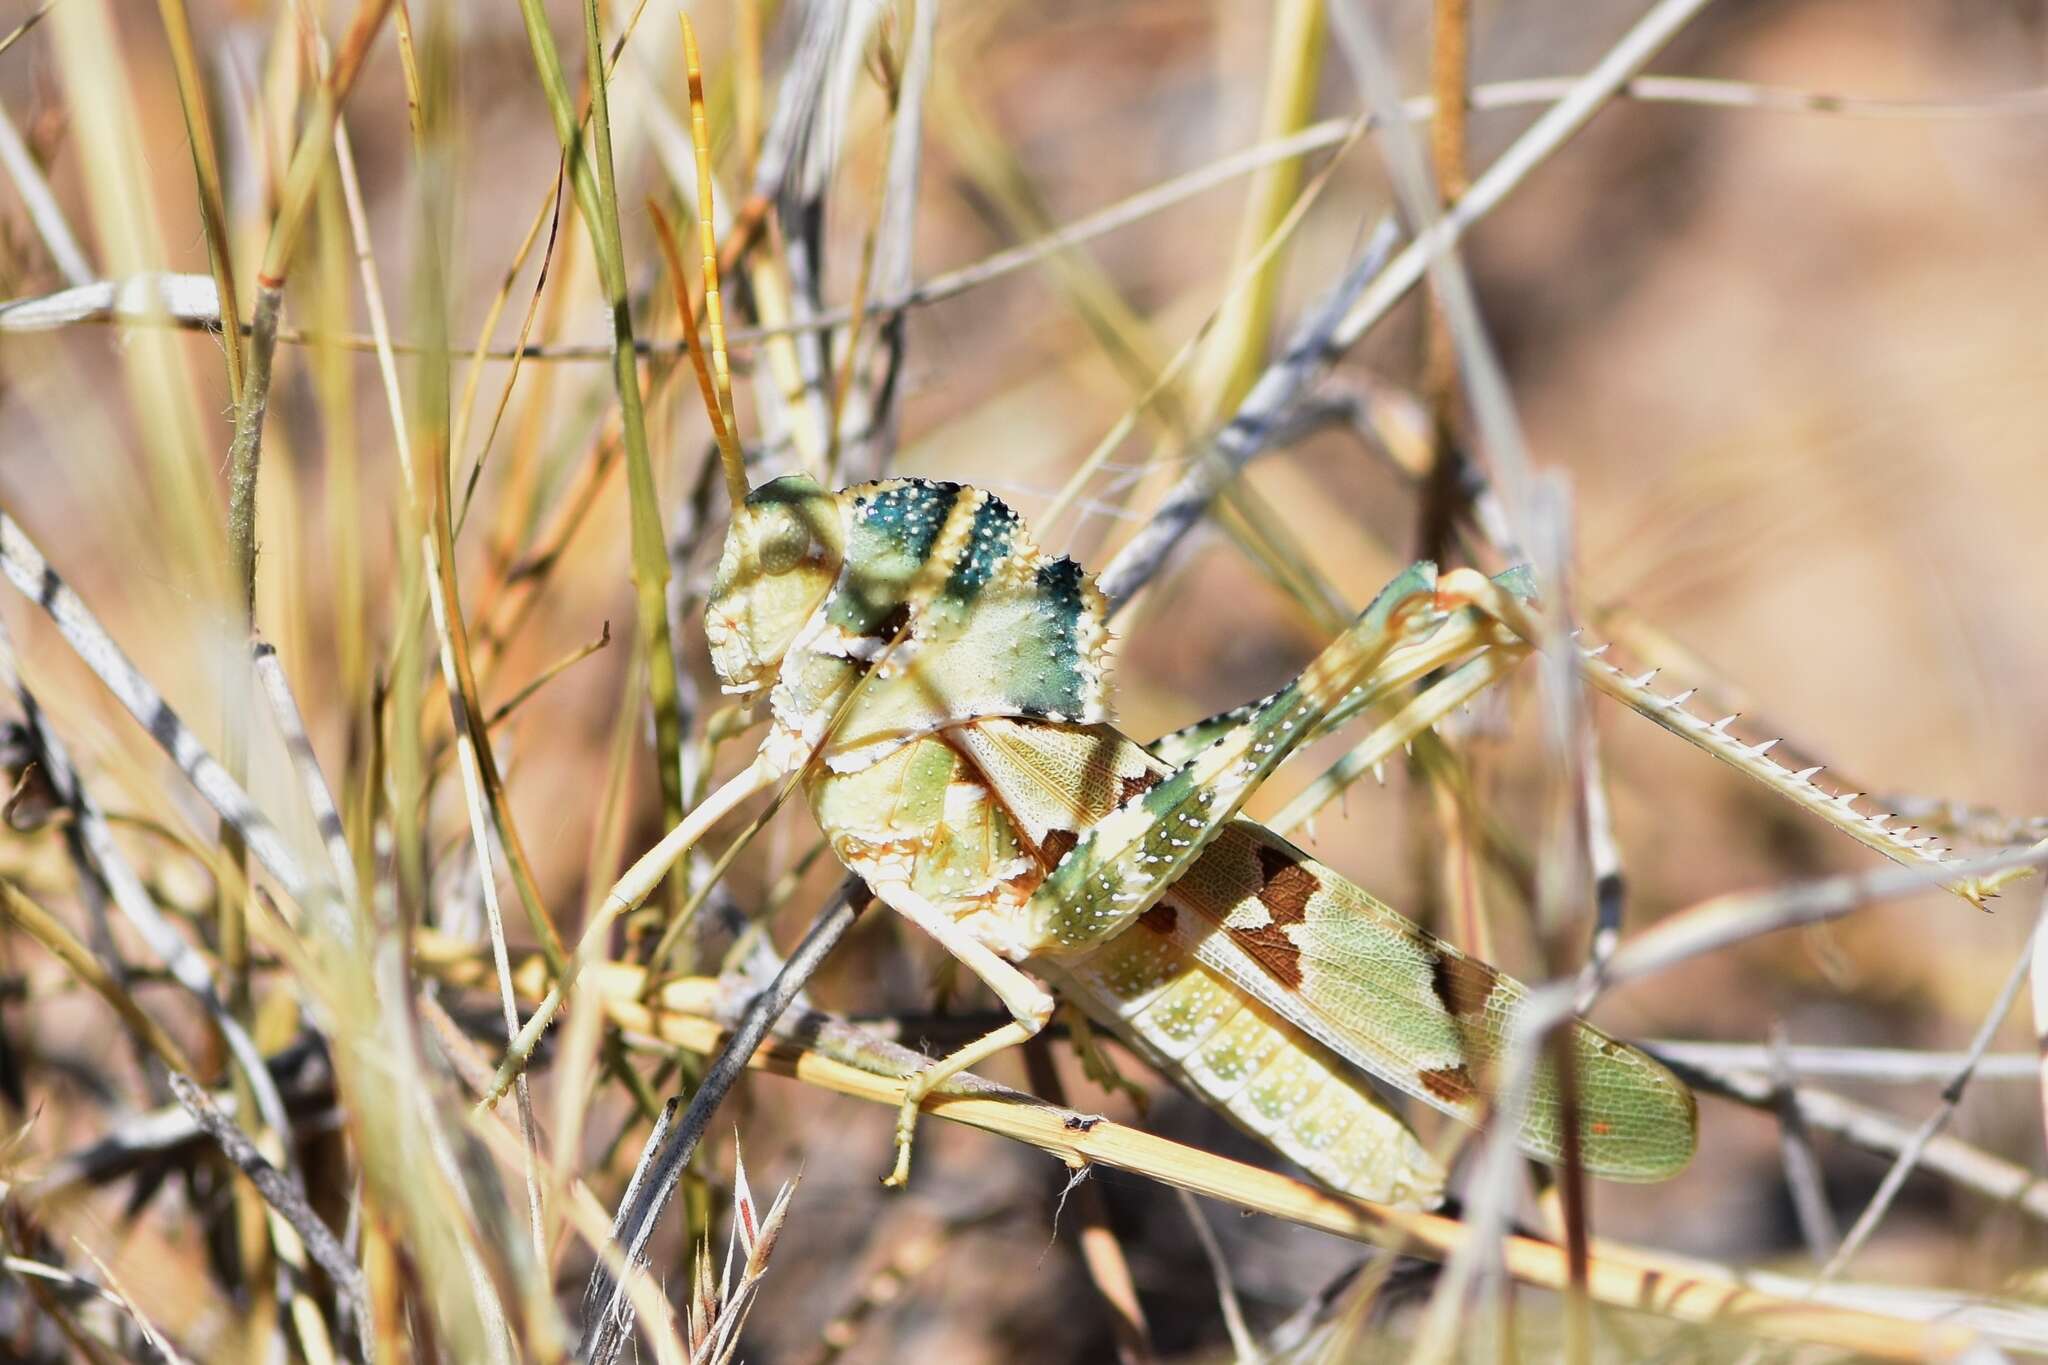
x=1344, y=968
x=1415, y=1011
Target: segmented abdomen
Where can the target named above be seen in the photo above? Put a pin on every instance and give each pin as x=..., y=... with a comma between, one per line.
x=1271, y=1079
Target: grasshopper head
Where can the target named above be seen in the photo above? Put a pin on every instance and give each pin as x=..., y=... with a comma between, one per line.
x=781, y=558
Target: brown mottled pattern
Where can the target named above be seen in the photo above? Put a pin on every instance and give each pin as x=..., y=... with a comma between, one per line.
x=1451, y=1084
x=1288, y=885
x=1462, y=984
x=1270, y=947
x=1136, y=784
x=1160, y=919
x=1056, y=845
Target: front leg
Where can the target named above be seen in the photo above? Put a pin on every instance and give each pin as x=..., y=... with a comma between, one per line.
x=1029, y=1004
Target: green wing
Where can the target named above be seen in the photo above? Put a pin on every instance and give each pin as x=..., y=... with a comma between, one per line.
x=1415, y=1011
x=1331, y=960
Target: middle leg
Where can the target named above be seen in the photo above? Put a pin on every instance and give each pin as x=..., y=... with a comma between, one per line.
x=1029, y=1004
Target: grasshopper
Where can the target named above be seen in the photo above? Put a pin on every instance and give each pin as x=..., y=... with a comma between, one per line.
x=937, y=685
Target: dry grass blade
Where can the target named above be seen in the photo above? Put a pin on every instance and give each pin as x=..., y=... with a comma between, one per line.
x=47, y=930
x=282, y=1195
x=1108, y=1264
x=194, y=103
x=607, y=1320
x=592, y=176
x=1251, y=429
x=1755, y=283
x=31, y=575
x=36, y=1274
x=1693, y=1292
x=43, y=208
x=100, y=860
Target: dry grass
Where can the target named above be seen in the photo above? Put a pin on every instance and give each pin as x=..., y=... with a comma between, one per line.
x=377, y=661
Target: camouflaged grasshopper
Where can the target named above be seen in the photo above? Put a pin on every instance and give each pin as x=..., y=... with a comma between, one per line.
x=938, y=685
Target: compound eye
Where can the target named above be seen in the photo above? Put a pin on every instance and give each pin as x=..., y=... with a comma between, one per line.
x=783, y=545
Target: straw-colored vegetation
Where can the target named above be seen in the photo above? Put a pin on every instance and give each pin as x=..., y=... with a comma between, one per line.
x=382, y=969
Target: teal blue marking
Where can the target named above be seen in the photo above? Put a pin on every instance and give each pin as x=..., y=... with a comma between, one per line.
x=988, y=544
x=1062, y=606
x=894, y=530
x=1094, y=892
x=911, y=516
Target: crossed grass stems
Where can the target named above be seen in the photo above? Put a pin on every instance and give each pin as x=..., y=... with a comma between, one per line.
x=330, y=905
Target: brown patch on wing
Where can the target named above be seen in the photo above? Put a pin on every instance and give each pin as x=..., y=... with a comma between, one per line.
x=1136, y=785
x=1287, y=885
x=1451, y=1084
x=1269, y=946
x=1056, y=845
x=1462, y=984
x=1160, y=919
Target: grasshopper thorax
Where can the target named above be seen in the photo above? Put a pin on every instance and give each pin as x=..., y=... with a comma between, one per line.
x=781, y=558
x=928, y=598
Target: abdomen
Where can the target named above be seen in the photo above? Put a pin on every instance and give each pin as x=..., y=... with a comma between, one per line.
x=1268, y=1077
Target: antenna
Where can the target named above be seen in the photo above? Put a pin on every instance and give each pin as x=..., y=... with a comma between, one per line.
x=718, y=383
x=694, y=343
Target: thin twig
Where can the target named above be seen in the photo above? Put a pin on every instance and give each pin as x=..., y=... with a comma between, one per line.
x=1587, y=94
x=43, y=209
x=96, y=301
x=1250, y=430
x=1973, y=1168
x=308, y=164
x=1802, y=1166
x=607, y=1315
x=1881, y=1065
x=1725, y=920
x=1103, y=1256
x=1951, y=1096
x=281, y=1194
x=291, y=724
x=1241, y=1340
x=24, y=566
